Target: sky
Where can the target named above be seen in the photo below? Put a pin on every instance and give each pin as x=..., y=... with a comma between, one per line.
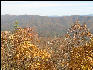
x=47, y=8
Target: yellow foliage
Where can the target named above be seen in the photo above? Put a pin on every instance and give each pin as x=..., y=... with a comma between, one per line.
x=19, y=51
x=85, y=62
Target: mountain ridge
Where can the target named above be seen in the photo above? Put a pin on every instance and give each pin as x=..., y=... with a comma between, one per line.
x=45, y=25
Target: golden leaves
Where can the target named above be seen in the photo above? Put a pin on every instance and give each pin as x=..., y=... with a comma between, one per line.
x=21, y=51
x=82, y=55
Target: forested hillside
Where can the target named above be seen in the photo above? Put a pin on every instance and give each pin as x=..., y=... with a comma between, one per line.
x=45, y=25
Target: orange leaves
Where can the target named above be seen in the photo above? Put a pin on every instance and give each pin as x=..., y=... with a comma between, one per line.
x=82, y=55
x=11, y=37
x=44, y=54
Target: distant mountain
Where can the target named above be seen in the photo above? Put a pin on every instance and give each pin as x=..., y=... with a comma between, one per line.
x=45, y=25
x=90, y=14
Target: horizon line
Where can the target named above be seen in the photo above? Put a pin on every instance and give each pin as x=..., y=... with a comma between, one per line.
x=48, y=15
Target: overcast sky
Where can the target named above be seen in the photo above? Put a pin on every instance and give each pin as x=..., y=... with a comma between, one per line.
x=47, y=8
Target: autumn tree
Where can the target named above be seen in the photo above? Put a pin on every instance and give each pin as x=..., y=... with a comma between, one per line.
x=82, y=57
x=77, y=37
x=19, y=51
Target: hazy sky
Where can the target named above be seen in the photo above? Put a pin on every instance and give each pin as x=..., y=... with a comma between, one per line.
x=47, y=8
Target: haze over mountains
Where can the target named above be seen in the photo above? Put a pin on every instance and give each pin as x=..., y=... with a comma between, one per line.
x=46, y=25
